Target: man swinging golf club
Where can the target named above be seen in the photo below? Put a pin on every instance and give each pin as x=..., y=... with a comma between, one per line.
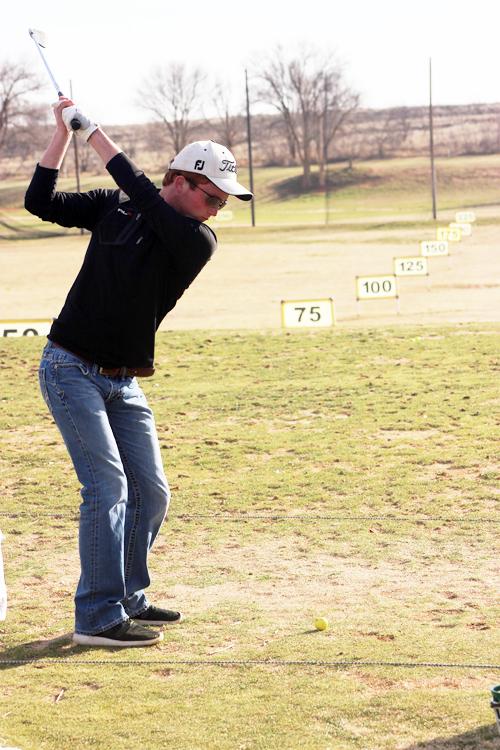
x=146, y=247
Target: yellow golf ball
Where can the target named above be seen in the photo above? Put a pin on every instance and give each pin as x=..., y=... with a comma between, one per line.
x=321, y=623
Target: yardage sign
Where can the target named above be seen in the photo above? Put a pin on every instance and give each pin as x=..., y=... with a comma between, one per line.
x=417, y=266
x=466, y=217
x=376, y=287
x=447, y=234
x=429, y=249
x=24, y=327
x=466, y=229
x=226, y=215
x=304, y=313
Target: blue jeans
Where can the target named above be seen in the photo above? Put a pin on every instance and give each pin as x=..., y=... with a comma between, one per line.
x=110, y=434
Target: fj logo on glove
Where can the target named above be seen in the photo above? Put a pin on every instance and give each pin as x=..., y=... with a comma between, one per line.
x=199, y=164
x=228, y=166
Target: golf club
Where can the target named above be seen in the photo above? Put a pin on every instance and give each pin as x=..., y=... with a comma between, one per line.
x=40, y=40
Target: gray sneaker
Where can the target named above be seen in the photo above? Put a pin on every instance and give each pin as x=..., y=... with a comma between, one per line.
x=126, y=634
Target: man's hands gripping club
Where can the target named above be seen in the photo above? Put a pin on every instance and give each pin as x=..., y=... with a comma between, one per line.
x=65, y=112
x=71, y=115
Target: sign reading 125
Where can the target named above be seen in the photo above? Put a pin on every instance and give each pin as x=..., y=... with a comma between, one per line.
x=308, y=313
x=417, y=266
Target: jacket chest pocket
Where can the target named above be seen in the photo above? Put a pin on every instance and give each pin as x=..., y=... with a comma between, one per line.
x=120, y=227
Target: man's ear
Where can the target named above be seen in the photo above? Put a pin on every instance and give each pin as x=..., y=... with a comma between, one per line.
x=180, y=183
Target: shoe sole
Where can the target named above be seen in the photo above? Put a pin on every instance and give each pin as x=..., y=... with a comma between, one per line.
x=99, y=640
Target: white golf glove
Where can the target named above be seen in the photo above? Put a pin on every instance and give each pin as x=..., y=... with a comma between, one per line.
x=73, y=117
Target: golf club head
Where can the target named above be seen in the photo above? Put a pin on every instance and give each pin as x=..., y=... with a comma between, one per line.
x=39, y=37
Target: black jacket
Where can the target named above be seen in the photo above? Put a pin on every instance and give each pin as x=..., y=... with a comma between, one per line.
x=141, y=257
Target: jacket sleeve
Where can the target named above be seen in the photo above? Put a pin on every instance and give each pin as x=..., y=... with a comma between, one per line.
x=66, y=209
x=189, y=241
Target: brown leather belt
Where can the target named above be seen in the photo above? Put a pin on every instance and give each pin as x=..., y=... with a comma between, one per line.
x=112, y=372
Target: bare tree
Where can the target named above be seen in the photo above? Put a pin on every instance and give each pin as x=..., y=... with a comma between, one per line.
x=339, y=102
x=172, y=95
x=16, y=82
x=31, y=131
x=309, y=92
x=229, y=128
x=391, y=132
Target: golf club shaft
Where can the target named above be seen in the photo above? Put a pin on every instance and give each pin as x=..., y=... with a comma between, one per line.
x=75, y=124
x=56, y=85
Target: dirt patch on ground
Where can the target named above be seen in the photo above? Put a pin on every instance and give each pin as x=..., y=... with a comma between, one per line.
x=288, y=576
x=243, y=285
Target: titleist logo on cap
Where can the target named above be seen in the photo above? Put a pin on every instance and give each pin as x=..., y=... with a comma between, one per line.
x=228, y=166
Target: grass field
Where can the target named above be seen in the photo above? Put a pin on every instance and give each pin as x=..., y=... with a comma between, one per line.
x=348, y=474
x=396, y=190
x=292, y=253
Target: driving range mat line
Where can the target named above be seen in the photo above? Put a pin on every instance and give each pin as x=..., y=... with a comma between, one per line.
x=249, y=663
x=262, y=517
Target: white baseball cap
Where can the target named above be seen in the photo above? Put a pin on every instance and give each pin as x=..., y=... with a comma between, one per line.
x=215, y=162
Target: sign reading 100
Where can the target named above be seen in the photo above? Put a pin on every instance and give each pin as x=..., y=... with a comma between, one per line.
x=376, y=287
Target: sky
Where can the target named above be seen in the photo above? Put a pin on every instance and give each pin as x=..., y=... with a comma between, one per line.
x=108, y=48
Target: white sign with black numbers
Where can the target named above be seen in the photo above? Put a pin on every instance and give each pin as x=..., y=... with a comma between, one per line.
x=465, y=229
x=446, y=234
x=376, y=287
x=308, y=313
x=417, y=266
x=10, y=328
x=225, y=215
x=429, y=249
x=465, y=217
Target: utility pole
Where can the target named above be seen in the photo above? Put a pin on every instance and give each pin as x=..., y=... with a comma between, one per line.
x=249, y=141
x=324, y=146
x=431, y=144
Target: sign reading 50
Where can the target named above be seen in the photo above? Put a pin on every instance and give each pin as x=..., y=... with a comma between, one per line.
x=10, y=328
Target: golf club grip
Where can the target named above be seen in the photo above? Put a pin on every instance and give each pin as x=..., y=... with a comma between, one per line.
x=75, y=124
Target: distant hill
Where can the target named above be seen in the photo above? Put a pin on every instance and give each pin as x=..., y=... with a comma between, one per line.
x=369, y=134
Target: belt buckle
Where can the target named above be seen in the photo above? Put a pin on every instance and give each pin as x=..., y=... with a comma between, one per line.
x=112, y=372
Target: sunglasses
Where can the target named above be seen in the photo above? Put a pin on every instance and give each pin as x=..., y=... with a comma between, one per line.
x=210, y=200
